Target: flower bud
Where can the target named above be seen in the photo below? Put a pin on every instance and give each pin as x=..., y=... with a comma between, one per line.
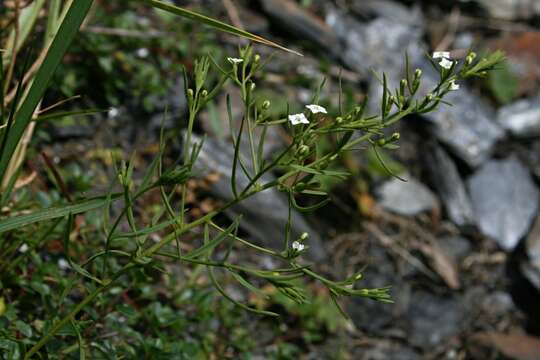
x=470, y=57
x=303, y=150
x=339, y=120
x=381, y=142
x=252, y=86
x=190, y=94
x=304, y=236
x=257, y=58
x=395, y=136
x=204, y=93
x=266, y=104
x=402, y=85
x=417, y=74
x=300, y=187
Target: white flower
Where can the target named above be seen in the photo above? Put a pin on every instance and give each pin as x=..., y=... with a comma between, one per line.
x=315, y=109
x=441, y=55
x=63, y=264
x=296, y=119
x=298, y=246
x=112, y=113
x=453, y=85
x=445, y=63
x=142, y=53
x=24, y=248
x=234, y=61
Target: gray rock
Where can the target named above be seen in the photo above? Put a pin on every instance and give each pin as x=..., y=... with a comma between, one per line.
x=380, y=45
x=385, y=351
x=511, y=9
x=387, y=9
x=522, y=118
x=466, y=127
x=530, y=267
x=456, y=246
x=294, y=19
x=264, y=215
x=504, y=199
x=449, y=185
x=434, y=319
x=406, y=197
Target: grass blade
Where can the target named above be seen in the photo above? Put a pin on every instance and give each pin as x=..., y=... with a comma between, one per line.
x=56, y=212
x=70, y=26
x=214, y=23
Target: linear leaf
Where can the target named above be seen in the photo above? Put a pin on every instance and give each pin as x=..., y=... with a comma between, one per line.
x=70, y=26
x=214, y=23
x=56, y=212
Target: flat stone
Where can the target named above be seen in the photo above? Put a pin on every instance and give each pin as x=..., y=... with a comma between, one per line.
x=511, y=9
x=522, y=118
x=265, y=214
x=294, y=19
x=433, y=319
x=466, y=127
x=450, y=187
x=532, y=244
x=504, y=199
x=406, y=197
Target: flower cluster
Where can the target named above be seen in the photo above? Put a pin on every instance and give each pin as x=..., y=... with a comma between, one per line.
x=300, y=118
x=446, y=62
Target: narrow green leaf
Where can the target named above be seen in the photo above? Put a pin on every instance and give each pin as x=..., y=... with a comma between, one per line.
x=214, y=23
x=63, y=114
x=59, y=46
x=56, y=212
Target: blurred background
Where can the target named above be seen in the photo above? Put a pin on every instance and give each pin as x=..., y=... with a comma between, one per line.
x=458, y=241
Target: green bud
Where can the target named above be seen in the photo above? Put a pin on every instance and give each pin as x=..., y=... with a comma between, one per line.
x=303, y=150
x=190, y=94
x=333, y=157
x=304, y=236
x=204, y=93
x=266, y=104
x=300, y=187
x=417, y=74
x=402, y=85
x=381, y=142
x=395, y=136
x=257, y=58
x=357, y=110
x=252, y=86
x=178, y=175
x=339, y=120
x=470, y=58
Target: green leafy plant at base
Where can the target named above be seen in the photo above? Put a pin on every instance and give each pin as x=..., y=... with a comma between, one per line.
x=127, y=253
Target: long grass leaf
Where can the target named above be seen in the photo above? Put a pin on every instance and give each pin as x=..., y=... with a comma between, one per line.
x=69, y=27
x=56, y=212
x=214, y=23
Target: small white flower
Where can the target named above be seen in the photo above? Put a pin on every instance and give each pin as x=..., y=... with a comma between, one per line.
x=296, y=119
x=24, y=248
x=315, y=109
x=235, y=61
x=441, y=55
x=453, y=86
x=63, y=264
x=445, y=63
x=143, y=53
x=113, y=112
x=298, y=246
